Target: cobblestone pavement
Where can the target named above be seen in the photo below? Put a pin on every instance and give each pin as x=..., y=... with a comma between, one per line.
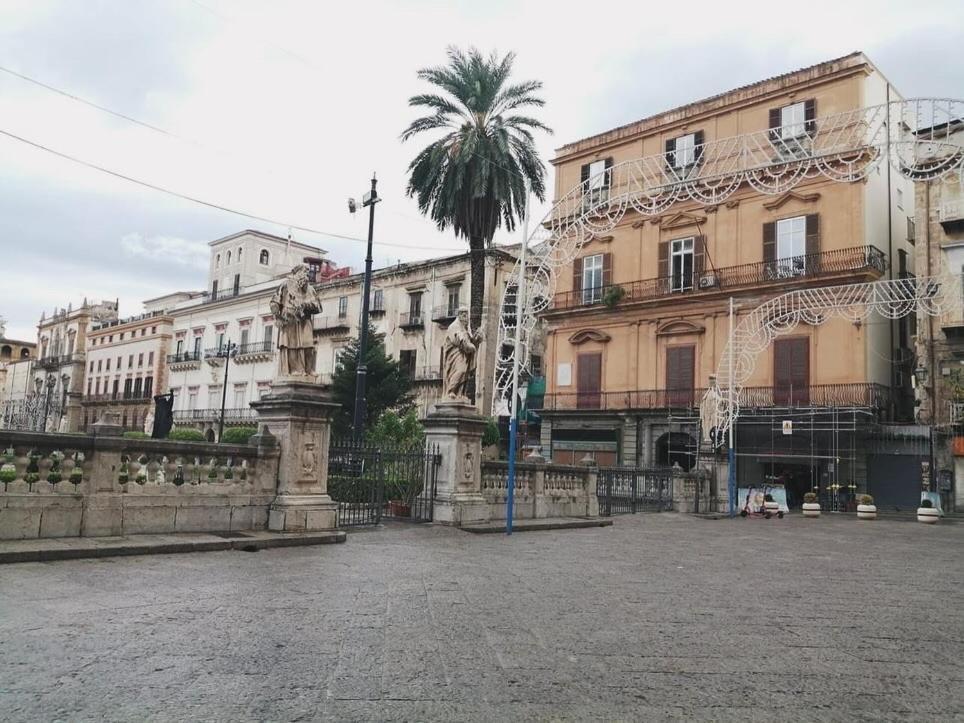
x=658, y=617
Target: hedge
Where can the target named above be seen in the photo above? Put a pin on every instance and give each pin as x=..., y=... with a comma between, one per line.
x=187, y=435
x=136, y=435
x=238, y=435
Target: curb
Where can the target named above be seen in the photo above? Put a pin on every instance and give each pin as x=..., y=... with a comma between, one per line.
x=489, y=528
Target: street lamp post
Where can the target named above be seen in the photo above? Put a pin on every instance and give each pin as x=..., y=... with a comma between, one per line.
x=358, y=426
x=227, y=351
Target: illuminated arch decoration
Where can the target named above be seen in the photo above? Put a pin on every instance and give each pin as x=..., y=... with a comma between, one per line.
x=891, y=299
x=922, y=139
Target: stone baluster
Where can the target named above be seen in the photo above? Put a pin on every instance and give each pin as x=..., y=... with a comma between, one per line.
x=592, y=478
x=538, y=489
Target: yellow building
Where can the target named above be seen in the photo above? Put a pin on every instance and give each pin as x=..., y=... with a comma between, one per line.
x=639, y=321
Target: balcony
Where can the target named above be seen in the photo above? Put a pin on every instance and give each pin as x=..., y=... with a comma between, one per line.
x=254, y=352
x=119, y=397
x=331, y=325
x=221, y=295
x=376, y=310
x=951, y=215
x=184, y=360
x=444, y=314
x=212, y=415
x=55, y=362
x=412, y=320
x=862, y=394
x=426, y=374
x=856, y=260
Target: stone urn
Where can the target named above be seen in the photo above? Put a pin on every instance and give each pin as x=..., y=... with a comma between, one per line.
x=927, y=513
x=811, y=507
x=866, y=509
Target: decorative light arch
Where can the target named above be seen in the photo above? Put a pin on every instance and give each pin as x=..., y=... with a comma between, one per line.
x=922, y=139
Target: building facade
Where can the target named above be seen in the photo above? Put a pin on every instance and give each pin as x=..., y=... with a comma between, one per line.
x=16, y=364
x=125, y=365
x=642, y=317
x=939, y=230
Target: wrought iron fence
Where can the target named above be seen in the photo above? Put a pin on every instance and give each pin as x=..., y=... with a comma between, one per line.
x=627, y=490
x=36, y=413
x=371, y=483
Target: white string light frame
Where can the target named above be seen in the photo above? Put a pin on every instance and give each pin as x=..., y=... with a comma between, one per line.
x=922, y=139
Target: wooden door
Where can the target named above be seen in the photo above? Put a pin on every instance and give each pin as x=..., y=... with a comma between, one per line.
x=589, y=380
x=791, y=371
x=680, y=362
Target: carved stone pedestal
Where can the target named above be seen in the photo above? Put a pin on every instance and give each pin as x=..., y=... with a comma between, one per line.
x=456, y=428
x=298, y=414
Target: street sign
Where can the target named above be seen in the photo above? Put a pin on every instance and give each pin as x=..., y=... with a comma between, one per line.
x=788, y=426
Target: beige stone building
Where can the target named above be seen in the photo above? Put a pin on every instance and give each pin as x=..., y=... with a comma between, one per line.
x=125, y=367
x=641, y=318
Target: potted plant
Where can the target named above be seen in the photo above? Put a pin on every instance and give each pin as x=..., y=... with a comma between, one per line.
x=927, y=513
x=32, y=474
x=54, y=474
x=228, y=472
x=613, y=295
x=811, y=505
x=8, y=470
x=866, y=510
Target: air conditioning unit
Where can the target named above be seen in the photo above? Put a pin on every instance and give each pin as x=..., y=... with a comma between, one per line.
x=708, y=281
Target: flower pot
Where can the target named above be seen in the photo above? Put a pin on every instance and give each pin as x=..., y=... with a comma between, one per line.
x=811, y=509
x=397, y=508
x=866, y=512
x=927, y=515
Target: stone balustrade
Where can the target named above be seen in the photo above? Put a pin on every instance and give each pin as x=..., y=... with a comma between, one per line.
x=62, y=485
x=541, y=490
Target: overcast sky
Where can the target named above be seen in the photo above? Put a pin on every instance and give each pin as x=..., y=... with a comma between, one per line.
x=287, y=107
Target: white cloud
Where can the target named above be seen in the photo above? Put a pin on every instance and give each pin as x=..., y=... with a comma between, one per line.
x=167, y=248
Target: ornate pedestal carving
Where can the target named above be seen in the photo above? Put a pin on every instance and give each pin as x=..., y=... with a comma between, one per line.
x=456, y=427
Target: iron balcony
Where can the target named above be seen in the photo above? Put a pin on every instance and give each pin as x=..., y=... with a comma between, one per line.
x=184, y=356
x=211, y=415
x=444, y=314
x=411, y=320
x=55, y=362
x=857, y=260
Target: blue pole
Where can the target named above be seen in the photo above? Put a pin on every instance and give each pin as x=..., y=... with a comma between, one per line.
x=731, y=480
x=510, y=487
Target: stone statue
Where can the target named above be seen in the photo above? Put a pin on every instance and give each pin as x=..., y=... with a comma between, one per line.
x=293, y=305
x=163, y=416
x=458, y=360
x=149, y=422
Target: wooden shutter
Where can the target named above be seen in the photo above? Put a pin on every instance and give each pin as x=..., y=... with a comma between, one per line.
x=699, y=258
x=769, y=242
x=775, y=120
x=584, y=174
x=588, y=380
x=791, y=371
x=607, y=275
x=671, y=153
x=663, y=259
x=813, y=243
x=810, y=116
x=608, y=178
x=577, y=275
x=680, y=375
x=698, y=147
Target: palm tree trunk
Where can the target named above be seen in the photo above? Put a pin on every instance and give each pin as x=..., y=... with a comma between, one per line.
x=476, y=298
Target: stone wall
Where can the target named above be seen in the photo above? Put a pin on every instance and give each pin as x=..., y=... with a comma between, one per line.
x=541, y=490
x=64, y=485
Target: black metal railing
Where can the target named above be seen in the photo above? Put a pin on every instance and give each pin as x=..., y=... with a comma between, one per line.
x=411, y=320
x=426, y=374
x=322, y=324
x=184, y=356
x=862, y=259
x=53, y=362
x=256, y=347
x=118, y=322
x=204, y=415
x=221, y=295
x=120, y=396
x=444, y=313
x=859, y=394
x=627, y=490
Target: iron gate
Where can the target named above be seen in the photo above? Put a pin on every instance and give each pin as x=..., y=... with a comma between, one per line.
x=623, y=490
x=371, y=483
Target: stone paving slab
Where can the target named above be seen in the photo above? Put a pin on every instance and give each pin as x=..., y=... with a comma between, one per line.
x=72, y=548
x=660, y=617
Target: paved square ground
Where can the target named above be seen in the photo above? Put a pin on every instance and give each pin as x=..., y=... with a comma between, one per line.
x=661, y=616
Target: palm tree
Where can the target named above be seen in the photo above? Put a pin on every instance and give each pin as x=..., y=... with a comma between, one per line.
x=474, y=177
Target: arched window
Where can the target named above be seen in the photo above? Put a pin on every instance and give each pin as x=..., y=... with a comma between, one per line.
x=228, y=262
x=6, y=352
x=24, y=353
x=264, y=257
x=217, y=261
x=239, y=254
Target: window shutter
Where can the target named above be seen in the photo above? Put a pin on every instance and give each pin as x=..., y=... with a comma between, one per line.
x=810, y=116
x=609, y=174
x=813, y=243
x=664, y=259
x=769, y=242
x=698, y=147
x=584, y=174
x=577, y=275
x=699, y=256
x=671, y=153
x=775, y=120
x=607, y=275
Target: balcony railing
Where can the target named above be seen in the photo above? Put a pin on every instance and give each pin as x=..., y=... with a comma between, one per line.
x=222, y=295
x=444, y=314
x=210, y=415
x=131, y=396
x=330, y=324
x=117, y=322
x=257, y=347
x=951, y=211
x=861, y=394
x=861, y=259
x=426, y=374
x=184, y=356
x=410, y=320
x=54, y=362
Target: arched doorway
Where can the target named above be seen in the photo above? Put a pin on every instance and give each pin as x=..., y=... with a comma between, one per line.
x=5, y=352
x=676, y=448
x=209, y=436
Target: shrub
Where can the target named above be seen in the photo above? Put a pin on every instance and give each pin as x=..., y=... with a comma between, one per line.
x=491, y=434
x=865, y=500
x=187, y=435
x=926, y=503
x=810, y=497
x=396, y=431
x=613, y=296
x=136, y=435
x=238, y=435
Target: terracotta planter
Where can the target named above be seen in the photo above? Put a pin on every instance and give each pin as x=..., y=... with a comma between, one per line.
x=811, y=509
x=866, y=512
x=397, y=508
x=927, y=515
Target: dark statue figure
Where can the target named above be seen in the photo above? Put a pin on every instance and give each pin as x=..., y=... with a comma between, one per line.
x=163, y=415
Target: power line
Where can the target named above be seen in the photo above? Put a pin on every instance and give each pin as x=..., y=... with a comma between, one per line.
x=209, y=204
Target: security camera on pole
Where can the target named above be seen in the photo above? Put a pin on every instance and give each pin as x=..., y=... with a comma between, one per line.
x=358, y=427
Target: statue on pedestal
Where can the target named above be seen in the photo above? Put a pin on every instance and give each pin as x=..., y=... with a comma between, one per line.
x=458, y=365
x=293, y=305
x=162, y=418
